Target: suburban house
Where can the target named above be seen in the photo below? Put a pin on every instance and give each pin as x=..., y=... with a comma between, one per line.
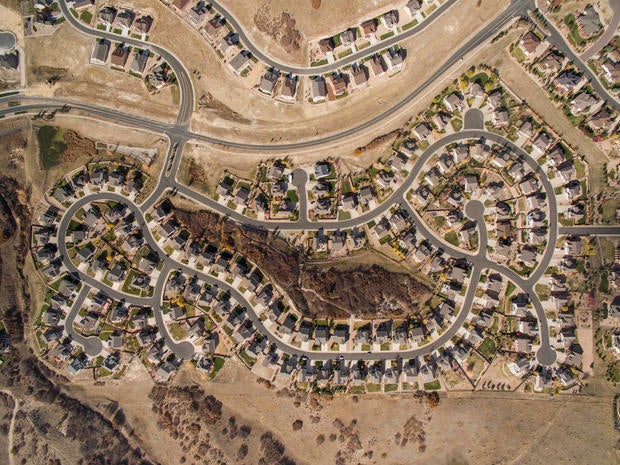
x=100, y=52
x=318, y=89
x=339, y=84
x=120, y=56
x=289, y=88
x=268, y=83
x=529, y=43
x=240, y=62
x=369, y=27
x=377, y=65
x=589, y=22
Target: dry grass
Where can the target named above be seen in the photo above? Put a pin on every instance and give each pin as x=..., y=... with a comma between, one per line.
x=331, y=17
x=84, y=82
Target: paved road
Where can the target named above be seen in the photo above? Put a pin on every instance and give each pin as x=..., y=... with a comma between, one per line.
x=546, y=355
x=590, y=230
x=612, y=29
x=184, y=80
x=516, y=9
x=315, y=70
x=556, y=39
x=473, y=119
x=92, y=344
x=182, y=349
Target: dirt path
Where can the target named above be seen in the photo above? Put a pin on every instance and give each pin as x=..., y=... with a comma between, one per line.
x=11, y=427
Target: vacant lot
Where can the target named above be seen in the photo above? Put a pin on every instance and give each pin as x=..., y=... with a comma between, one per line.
x=64, y=58
x=332, y=16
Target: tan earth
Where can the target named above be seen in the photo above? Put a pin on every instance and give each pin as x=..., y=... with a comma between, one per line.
x=330, y=17
x=88, y=83
x=480, y=428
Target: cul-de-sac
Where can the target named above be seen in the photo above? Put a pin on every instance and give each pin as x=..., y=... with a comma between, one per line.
x=312, y=232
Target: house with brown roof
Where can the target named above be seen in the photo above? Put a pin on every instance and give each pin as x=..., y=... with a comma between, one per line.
x=551, y=63
x=288, y=90
x=120, y=56
x=339, y=84
x=360, y=77
x=601, y=121
x=369, y=27
x=143, y=24
x=377, y=65
x=612, y=70
x=327, y=45
x=529, y=43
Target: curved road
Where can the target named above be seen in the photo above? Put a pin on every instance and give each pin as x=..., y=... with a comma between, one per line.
x=324, y=69
x=612, y=29
x=546, y=355
x=92, y=344
x=184, y=80
x=556, y=38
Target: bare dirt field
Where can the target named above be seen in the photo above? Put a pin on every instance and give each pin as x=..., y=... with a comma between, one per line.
x=330, y=17
x=84, y=82
x=485, y=428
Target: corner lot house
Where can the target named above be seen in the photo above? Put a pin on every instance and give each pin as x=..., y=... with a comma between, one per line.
x=100, y=52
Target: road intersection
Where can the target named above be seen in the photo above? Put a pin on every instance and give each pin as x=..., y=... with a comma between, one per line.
x=179, y=133
x=479, y=261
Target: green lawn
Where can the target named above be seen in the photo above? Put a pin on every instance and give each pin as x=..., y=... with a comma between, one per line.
x=218, y=363
x=343, y=215
x=86, y=16
x=452, y=238
x=358, y=390
x=374, y=387
x=410, y=25
x=390, y=387
x=177, y=331
x=51, y=145
x=609, y=210
x=432, y=386
x=292, y=195
x=487, y=348
x=510, y=288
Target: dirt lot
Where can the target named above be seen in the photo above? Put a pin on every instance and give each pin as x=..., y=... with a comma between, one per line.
x=332, y=16
x=485, y=428
x=81, y=81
